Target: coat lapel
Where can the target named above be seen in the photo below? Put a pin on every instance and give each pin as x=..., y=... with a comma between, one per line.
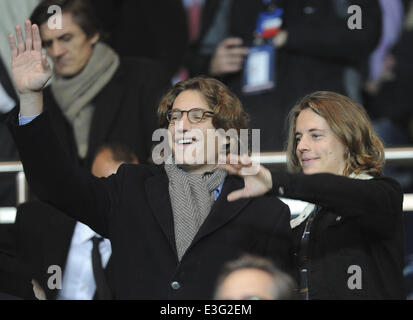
x=157, y=192
x=222, y=211
x=107, y=106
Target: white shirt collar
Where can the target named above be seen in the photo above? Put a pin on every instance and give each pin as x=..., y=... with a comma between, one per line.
x=83, y=233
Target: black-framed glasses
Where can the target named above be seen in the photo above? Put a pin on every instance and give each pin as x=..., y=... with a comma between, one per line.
x=194, y=115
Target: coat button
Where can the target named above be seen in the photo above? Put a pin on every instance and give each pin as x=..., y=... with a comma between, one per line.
x=175, y=285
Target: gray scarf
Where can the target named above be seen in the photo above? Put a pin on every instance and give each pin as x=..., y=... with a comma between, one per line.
x=192, y=196
x=74, y=95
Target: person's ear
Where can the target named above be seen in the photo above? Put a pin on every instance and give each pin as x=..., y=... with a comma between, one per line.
x=95, y=38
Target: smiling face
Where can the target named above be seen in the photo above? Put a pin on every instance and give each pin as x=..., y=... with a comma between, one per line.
x=318, y=148
x=189, y=140
x=69, y=47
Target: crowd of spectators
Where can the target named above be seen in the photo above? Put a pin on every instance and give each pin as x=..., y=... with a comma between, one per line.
x=113, y=61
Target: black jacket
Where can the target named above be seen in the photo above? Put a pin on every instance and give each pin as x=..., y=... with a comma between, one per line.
x=133, y=210
x=361, y=224
x=41, y=237
x=125, y=111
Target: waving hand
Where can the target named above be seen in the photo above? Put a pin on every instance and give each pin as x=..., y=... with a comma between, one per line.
x=30, y=68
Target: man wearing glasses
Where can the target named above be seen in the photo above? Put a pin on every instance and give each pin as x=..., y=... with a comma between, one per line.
x=171, y=226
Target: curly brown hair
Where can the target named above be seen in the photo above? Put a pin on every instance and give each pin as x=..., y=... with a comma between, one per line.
x=227, y=108
x=350, y=123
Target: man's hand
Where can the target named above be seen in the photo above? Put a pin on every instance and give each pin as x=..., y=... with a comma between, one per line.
x=257, y=179
x=229, y=57
x=30, y=69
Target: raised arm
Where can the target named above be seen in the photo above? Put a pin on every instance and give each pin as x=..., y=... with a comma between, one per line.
x=30, y=68
x=51, y=174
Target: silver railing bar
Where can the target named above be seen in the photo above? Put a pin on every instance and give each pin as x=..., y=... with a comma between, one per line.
x=8, y=214
x=11, y=167
x=392, y=155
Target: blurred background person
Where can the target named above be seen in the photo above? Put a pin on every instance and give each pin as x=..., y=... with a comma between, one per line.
x=45, y=237
x=159, y=30
x=254, y=278
x=95, y=96
x=269, y=58
x=387, y=93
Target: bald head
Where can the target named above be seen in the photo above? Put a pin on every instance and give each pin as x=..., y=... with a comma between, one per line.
x=107, y=162
x=247, y=284
x=251, y=277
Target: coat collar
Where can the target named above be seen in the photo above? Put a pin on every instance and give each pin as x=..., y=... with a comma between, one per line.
x=222, y=211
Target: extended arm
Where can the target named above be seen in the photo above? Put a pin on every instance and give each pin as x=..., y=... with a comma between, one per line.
x=50, y=173
x=376, y=202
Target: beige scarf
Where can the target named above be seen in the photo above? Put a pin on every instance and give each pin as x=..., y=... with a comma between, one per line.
x=310, y=207
x=74, y=95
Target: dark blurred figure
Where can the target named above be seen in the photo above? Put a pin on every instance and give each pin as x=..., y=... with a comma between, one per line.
x=314, y=50
x=391, y=100
x=158, y=29
x=254, y=278
x=388, y=98
x=45, y=237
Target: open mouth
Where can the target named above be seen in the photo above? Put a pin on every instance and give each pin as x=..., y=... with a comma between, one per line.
x=185, y=142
